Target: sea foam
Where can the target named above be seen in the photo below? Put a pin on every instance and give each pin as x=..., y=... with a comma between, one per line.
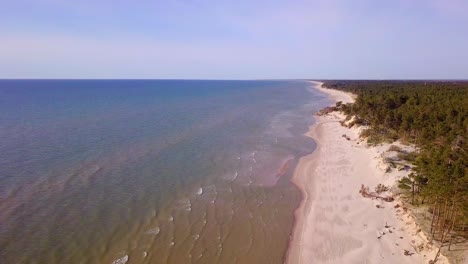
x=153, y=231
x=121, y=260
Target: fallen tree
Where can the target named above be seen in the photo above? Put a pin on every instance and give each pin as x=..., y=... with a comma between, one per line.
x=365, y=192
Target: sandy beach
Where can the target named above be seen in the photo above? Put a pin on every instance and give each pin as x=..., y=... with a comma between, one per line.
x=335, y=223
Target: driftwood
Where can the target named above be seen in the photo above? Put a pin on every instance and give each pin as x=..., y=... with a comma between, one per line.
x=373, y=195
x=381, y=188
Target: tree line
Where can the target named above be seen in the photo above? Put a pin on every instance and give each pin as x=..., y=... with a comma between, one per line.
x=432, y=115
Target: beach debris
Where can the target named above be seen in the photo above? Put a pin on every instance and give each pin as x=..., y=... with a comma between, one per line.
x=379, y=206
x=365, y=192
x=380, y=234
x=420, y=247
x=408, y=253
x=387, y=228
x=380, y=188
x=345, y=136
x=396, y=206
x=387, y=199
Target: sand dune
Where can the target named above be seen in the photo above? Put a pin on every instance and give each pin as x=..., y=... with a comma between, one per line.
x=334, y=223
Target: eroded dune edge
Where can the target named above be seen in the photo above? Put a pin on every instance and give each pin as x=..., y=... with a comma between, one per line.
x=335, y=223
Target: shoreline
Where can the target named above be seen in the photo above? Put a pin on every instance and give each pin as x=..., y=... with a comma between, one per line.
x=334, y=223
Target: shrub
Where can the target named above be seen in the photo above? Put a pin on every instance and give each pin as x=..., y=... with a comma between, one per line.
x=394, y=148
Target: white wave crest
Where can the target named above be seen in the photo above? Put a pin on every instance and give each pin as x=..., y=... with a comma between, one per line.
x=121, y=260
x=153, y=231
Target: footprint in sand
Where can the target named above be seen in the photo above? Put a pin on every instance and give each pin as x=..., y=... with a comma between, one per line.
x=345, y=208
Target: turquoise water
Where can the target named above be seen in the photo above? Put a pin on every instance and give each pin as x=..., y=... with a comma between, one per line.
x=150, y=171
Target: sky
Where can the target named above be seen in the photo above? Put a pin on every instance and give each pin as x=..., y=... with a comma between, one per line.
x=189, y=39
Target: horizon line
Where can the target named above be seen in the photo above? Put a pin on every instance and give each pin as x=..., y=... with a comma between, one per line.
x=210, y=79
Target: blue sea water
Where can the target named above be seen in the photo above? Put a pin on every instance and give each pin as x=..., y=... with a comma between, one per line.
x=150, y=171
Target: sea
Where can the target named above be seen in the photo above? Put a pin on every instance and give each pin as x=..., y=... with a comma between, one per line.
x=151, y=171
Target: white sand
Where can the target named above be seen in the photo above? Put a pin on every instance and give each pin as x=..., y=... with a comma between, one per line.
x=334, y=223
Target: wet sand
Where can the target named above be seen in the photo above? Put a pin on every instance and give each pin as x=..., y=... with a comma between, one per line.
x=334, y=223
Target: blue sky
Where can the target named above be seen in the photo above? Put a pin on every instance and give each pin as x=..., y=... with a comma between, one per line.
x=347, y=39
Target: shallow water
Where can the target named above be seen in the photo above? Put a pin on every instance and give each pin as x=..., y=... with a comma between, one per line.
x=150, y=171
